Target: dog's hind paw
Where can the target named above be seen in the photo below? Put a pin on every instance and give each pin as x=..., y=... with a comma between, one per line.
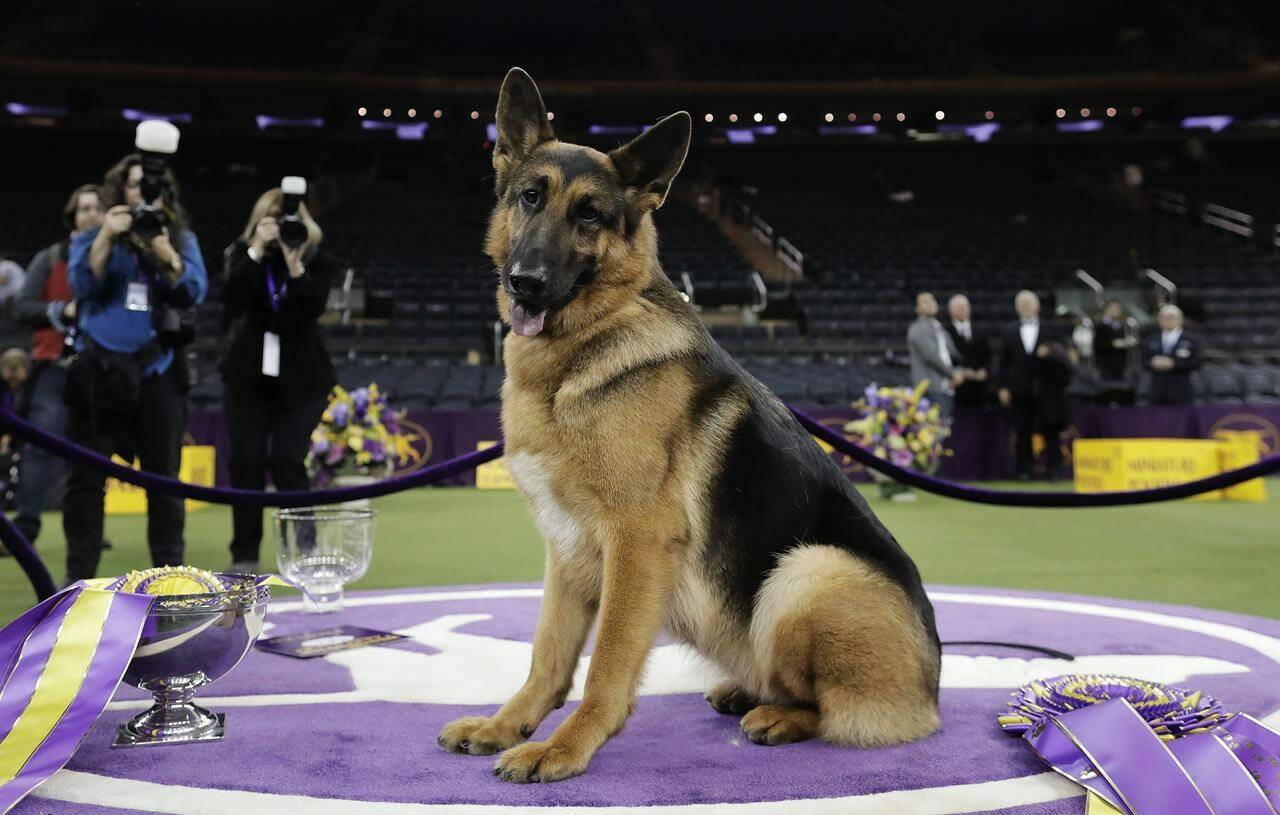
x=480, y=736
x=540, y=761
x=730, y=699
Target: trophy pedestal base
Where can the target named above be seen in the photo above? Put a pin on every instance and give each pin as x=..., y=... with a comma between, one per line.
x=129, y=736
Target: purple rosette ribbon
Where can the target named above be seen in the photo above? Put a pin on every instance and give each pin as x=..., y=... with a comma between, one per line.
x=1141, y=747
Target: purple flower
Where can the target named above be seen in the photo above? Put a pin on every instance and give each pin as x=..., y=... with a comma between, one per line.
x=335, y=456
x=375, y=450
x=321, y=478
x=903, y=457
x=319, y=447
x=340, y=413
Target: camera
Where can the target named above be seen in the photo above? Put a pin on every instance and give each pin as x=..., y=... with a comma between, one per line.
x=293, y=232
x=156, y=140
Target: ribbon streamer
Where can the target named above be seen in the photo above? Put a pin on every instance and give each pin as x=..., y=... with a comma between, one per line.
x=62, y=661
x=1139, y=748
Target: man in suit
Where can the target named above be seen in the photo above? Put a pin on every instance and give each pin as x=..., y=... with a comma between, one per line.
x=1111, y=344
x=973, y=353
x=1034, y=370
x=933, y=355
x=1171, y=355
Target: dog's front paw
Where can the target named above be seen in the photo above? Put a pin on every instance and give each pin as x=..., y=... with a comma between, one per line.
x=479, y=736
x=729, y=698
x=540, y=761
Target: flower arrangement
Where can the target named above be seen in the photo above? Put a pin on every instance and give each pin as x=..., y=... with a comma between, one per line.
x=357, y=434
x=900, y=425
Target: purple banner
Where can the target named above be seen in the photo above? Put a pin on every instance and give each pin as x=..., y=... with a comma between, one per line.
x=981, y=443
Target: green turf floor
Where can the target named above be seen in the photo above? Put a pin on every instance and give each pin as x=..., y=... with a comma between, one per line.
x=1212, y=554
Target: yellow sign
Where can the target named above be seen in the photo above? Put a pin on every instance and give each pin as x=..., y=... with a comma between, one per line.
x=197, y=467
x=493, y=475
x=1112, y=465
x=1240, y=448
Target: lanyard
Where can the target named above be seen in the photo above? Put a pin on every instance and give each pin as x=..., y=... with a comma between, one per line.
x=274, y=293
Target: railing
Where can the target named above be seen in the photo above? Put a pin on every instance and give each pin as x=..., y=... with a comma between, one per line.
x=762, y=290
x=687, y=282
x=762, y=230
x=1227, y=219
x=790, y=256
x=1169, y=201
x=1166, y=285
x=1089, y=280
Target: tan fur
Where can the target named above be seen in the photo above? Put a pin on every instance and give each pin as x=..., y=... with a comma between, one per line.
x=596, y=411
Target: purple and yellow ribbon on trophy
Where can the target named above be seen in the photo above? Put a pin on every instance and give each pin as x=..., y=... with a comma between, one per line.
x=61, y=662
x=1142, y=748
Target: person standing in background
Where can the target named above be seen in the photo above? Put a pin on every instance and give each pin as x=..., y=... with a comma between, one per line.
x=1111, y=344
x=974, y=351
x=46, y=305
x=277, y=372
x=934, y=356
x=1171, y=354
x=1034, y=370
x=11, y=277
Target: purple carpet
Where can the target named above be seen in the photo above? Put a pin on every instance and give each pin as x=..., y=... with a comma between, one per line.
x=335, y=735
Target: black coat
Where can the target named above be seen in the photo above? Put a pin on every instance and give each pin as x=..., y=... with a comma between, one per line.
x=306, y=372
x=1111, y=361
x=975, y=353
x=1172, y=387
x=1029, y=378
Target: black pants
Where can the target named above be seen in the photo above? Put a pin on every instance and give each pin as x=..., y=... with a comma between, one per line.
x=153, y=431
x=1026, y=421
x=265, y=436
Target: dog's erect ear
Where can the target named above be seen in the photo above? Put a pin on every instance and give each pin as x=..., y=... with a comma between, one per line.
x=650, y=162
x=522, y=122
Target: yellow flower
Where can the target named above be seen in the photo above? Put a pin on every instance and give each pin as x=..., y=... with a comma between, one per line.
x=882, y=416
x=880, y=452
x=925, y=437
x=356, y=442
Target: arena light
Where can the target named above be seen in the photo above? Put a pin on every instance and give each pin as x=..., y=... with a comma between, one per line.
x=264, y=122
x=901, y=117
x=412, y=112
x=853, y=117
x=414, y=132
x=733, y=117
x=848, y=130
x=475, y=114
x=740, y=135
x=991, y=114
x=1061, y=113
x=20, y=109
x=614, y=130
x=759, y=117
x=709, y=118
x=551, y=116
x=135, y=115
x=1084, y=113
x=1111, y=112
x=875, y=117
x=1136, y=111
x=1215, y=123
x=386, y=113
x=981, y=133
x=782, y=117
x=362, y=110
x=437, y=113
x=829, y=117
x=939, y=115
x=1079, y=127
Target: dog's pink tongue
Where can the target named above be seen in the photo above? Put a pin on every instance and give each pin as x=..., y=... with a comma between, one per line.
x=524, y=323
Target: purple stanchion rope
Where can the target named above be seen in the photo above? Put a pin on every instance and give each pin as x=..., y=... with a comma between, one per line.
x=1033, y=498
x=27, y=557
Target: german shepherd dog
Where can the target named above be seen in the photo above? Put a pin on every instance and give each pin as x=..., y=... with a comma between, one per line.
x=672, y=488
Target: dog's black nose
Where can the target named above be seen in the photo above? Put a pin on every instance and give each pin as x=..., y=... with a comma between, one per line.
x=531, y=284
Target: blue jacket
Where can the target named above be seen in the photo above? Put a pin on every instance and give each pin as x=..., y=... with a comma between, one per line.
x=101, y=311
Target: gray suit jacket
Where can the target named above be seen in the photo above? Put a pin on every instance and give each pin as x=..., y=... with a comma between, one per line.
x=926, y=360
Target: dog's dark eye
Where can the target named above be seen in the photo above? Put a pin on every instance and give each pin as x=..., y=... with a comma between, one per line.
x=530, y=197
x=588, y=214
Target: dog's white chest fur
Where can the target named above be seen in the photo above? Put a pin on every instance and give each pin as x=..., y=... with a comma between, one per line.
x=555, y=523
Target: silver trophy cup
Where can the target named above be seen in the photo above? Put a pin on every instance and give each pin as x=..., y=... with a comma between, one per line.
x=187, y=642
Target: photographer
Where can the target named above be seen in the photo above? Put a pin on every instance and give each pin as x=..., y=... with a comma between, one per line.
x=126, y=390
x=277, y=372
x=48, y=308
